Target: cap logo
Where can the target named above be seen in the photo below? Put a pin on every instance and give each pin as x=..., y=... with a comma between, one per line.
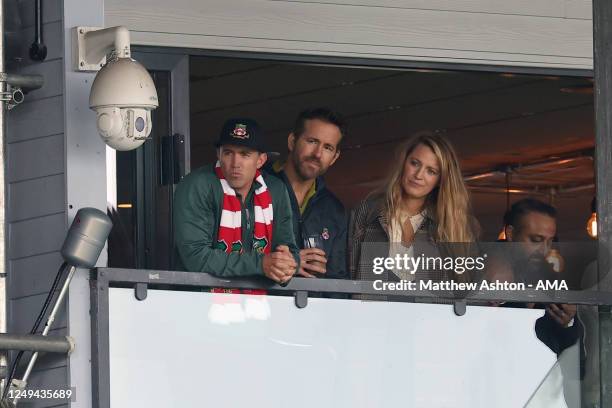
x=240, y=132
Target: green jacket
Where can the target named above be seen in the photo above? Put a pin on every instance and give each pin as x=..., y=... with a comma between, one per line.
x=197, y=215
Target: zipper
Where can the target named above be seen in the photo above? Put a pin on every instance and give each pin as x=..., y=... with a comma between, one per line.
x=301, y=232
x=244, y=205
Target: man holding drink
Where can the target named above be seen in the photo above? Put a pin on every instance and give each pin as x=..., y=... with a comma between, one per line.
x=319, y=218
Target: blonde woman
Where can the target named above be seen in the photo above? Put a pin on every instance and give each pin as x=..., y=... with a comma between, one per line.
x=424, y=201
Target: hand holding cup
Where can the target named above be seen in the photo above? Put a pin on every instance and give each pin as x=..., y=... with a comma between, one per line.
x=312, y=258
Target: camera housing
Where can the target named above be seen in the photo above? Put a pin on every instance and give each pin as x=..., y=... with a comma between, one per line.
x=123, y=96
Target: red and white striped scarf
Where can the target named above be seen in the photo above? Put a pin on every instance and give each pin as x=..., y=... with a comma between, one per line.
x=229, y=236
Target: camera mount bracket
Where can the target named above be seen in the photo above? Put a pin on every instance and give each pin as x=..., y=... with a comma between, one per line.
x=92, y=45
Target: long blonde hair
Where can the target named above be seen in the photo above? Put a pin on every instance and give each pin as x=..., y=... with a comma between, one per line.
x=448, y=204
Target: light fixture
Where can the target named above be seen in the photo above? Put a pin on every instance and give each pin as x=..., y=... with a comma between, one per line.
x=502, y=235
x=591, y=226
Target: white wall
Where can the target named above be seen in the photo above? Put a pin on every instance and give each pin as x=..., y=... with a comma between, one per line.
x=543, y=33
x=85, y=184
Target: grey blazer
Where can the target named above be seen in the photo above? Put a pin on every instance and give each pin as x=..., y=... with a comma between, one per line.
x=369, y=238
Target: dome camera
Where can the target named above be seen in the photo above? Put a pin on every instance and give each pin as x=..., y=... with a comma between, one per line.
x=123, y=96
x=123, y=93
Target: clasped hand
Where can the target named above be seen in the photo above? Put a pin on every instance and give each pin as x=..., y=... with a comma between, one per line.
x=279, y=265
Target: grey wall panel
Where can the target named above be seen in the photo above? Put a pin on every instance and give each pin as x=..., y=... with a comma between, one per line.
x=53, y=41
x=36, y=236
x=53, y=74
x=377, y=51
x=34, y=274
x=35, y=158
x=25, y=310
x=507, y=33
x=36, y=191
x=37, y=197
x=540, y=8
x=35, y=119
x=44, y=404
x=51, y=378
x=579, y=9
x=52, y=11
x=47, y=405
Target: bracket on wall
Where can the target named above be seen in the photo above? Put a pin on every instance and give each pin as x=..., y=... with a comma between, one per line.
x=92, y=45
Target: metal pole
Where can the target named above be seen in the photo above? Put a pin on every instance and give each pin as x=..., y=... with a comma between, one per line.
x=3, y=299
x=50, y=320
x=26, y=82
x=34, y=342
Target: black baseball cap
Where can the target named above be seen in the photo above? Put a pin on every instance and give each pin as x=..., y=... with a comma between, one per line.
x=242, y=132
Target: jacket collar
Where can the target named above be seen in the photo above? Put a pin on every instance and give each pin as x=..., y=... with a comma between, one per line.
x=278, y=168
x=426, y=226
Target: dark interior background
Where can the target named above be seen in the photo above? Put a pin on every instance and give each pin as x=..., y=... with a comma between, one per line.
x=539, y=127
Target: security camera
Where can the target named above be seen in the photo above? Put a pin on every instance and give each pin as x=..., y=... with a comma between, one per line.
x=123, y=93
x=123, y=96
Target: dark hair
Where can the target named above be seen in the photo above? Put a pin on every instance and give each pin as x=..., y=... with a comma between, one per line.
x=324, y=114
x=526, y=206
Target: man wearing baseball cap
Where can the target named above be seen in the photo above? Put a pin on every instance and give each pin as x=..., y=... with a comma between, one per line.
x=232, y=220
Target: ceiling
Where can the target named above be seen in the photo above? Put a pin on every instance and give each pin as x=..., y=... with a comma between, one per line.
x=537, y=129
